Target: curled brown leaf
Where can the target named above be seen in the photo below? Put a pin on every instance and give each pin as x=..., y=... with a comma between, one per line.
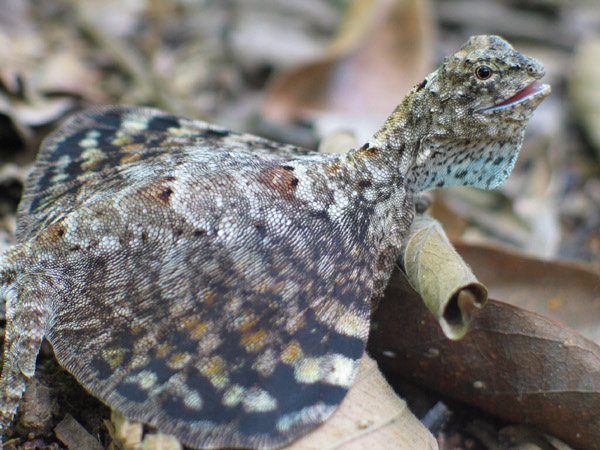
x=445, y=282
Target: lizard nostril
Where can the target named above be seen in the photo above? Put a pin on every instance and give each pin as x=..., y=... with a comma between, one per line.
x=531, y=70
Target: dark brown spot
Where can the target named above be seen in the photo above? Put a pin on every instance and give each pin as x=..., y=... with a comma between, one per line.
x=159, y=190
x=421, y=85
x=56, y=231
x=362, y=184
x=367, y=150
x=164, y=195
x=280, y=179
x=332, y=167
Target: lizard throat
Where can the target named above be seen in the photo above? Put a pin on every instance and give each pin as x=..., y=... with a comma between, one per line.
x=535, y=89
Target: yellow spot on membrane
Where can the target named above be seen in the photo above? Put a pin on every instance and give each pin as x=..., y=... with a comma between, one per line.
x=193, y=400
x=195, y=327
x=278, y=288
x=181, y=131
x=146, y=379
x=90, y=140
x=189, y=322
x=351, y=324
x=247, y=322
x=136, y=329
x=254, y=342
x=133, y=147
x=92, y=153
x=88, y=143
x=92, y=157
x=199, y=330
x=139, y=123
x=179, y=360
x=122, y=142
x=295, y=324
x=59, y=177
x=163, y=350
x=140, y=361
x=87, y=165
x=291, y=353
x=342, y=371
x=266, y=362
x=128, y=159
x=215, y=369
x=209, y=297
x=257, y=400
x=113, y=356
x=233, y=395
x=308, y=371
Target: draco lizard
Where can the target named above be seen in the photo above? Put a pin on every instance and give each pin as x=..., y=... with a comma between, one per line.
x=217, y=285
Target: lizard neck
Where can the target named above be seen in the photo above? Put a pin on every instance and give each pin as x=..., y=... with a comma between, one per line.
x=391, y=151
x=399, y=139
x=433, y=145
x=407, y=124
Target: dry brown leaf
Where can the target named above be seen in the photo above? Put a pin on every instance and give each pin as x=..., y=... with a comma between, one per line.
x=161, y=442
x=383, y=49
x=126, y=435
x=74, y=436
x=567, y=292
x=516, y=364
x=445, y=282
x=37, y=408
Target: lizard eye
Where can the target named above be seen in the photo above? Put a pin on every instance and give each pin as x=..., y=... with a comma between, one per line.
x=483, y=72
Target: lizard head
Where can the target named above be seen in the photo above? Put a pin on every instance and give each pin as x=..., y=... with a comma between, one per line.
x=464, y=124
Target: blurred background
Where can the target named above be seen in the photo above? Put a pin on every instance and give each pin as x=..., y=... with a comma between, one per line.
x=324, y=74
x=316, y=73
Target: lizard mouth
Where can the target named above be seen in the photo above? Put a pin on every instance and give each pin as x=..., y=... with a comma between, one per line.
x=534, y=90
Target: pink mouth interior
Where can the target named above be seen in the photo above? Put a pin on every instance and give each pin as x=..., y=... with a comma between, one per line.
x=533, y=88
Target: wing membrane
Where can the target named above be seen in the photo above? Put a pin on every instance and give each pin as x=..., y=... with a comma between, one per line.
x=198, y=293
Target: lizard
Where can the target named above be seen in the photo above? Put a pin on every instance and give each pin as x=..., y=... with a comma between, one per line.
x=217, y=285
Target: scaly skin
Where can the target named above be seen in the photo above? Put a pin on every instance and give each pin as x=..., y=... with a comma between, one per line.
x=218, y=286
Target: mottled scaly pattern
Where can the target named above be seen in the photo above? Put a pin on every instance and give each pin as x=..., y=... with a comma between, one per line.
x=218, y=285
